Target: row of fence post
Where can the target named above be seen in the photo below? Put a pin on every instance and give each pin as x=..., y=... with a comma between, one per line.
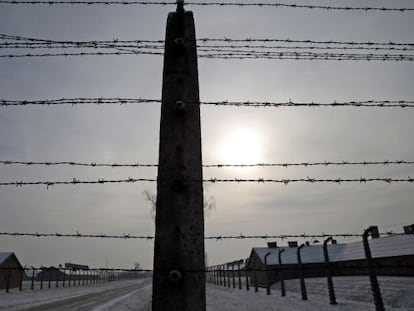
x=74, y=277
x=220, y=274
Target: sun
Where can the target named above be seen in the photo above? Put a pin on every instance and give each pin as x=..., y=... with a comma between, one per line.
x=241, y=146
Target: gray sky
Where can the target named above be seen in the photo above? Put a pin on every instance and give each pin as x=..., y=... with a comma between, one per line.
x=129, y=133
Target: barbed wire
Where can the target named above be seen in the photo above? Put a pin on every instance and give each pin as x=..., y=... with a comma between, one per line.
x=215, y=3
x=257, y=104
x=206, y=39
x=203, y=47
x=309, y=56
x=240, y=55
x=286, y=181
x=127, y=236
x=220, y=165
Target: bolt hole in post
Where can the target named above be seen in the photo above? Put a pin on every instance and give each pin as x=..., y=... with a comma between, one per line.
x=175, y=276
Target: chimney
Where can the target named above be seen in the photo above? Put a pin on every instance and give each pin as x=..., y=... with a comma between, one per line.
x=271, y=244
x=334, y=242
x=409, y=229
x=293, y=243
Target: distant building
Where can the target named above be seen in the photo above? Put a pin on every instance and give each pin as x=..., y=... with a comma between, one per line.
x=52, y=274
x=11, y=271
x=393, y=256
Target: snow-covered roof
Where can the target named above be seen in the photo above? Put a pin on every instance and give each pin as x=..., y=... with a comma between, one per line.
x=397, y=245
x=4, y=256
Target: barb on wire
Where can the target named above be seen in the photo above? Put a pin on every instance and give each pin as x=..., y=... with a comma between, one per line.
x=214, y=3
x=241, y=165
x=74, y=181
x=258, y=104
x=213, y=237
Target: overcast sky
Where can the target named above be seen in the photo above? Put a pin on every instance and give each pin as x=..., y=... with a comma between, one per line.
x=129, y=133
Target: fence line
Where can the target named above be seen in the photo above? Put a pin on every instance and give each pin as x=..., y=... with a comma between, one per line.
x=310, y=56
x=371, y=103
x=114, y=42
x=127, y=236
x=220, y=165
x=214, y=3
x=74, y=181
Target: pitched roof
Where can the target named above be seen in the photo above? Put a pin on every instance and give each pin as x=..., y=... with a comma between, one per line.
x=397, y=245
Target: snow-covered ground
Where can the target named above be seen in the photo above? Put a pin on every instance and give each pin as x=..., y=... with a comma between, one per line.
x=353, y=294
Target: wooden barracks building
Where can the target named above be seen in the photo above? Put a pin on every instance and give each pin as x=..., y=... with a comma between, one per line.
x=11, y=271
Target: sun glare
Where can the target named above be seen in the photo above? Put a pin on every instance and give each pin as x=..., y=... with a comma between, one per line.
x=241, y=146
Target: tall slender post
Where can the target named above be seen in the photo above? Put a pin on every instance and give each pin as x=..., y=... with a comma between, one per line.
x=246, y=270
x=332, y=298
x=267, y=273
x=178, y=281
x=239, y=273
x=376, y=292
x=233, y=275
x=282, y=281
x=224, y=275
x=33, y=277
x=228, y=275
x=301, y=276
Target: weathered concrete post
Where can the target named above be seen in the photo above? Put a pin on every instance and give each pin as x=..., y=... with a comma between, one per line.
x=179, y=280
x=301, y=276
x=33, y=277
x=332, y=298
x=246, y=264
x=376, y=292
x=267, y=274
x=282, y=281
x=239, y=272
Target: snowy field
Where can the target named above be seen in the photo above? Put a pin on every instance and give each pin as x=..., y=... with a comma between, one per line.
x=353, y=293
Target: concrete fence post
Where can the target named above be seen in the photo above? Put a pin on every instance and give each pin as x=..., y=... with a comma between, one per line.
x=267, y=273
x=49, y=275
x=376, y=292
x=281, y=280
x=328, y=266
x=233, y=272
x=228, y=275
x=33, y=278
x=246, y=270
x=301, y=275
x=179, y=221
x=239, y=273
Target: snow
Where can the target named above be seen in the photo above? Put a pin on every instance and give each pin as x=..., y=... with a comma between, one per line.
x=353, y=294
x=398, y=245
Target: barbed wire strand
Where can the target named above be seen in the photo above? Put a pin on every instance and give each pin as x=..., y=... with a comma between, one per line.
x=215, y=3
x=257, y=104
x=127, y=236
x=220, y=165
x=207, y=47
x=224, y=40
x=239, y=55
x=74, y=181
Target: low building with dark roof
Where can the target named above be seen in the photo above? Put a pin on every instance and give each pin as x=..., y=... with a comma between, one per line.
x=11, y=271
x=392, y=255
